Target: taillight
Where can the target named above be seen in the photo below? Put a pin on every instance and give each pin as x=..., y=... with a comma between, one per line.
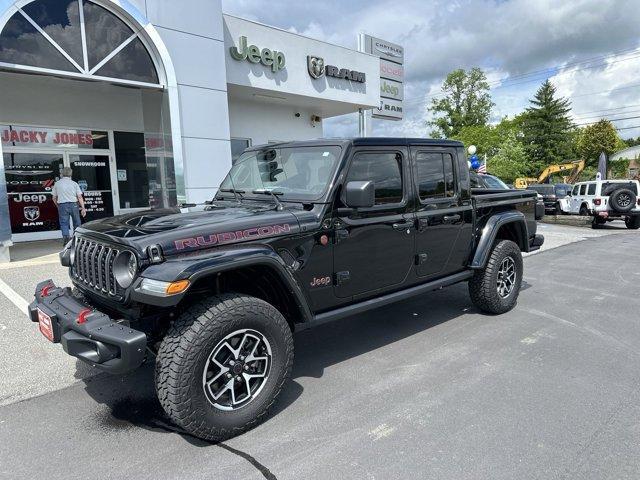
x=639, y=202
x=597, y=201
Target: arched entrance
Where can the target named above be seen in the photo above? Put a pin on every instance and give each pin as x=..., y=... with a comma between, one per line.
x=86, y=84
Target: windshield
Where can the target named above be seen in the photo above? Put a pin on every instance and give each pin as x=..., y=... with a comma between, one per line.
x=494, y=182
x=563, y=190
x=298, y=173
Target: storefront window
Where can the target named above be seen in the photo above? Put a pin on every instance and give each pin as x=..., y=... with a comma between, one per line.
x=93, y=175
x=39, y=33
x=131, y=169
x=60, y=19
x=30, y=178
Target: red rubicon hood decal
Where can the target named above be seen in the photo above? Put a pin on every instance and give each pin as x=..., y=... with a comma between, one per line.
x=230, y=237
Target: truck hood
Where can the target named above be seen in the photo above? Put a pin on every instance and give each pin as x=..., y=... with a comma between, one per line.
x=177, y=230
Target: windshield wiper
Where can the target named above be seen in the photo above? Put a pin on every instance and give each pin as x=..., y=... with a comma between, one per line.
x=236, y=193
x=266, y=191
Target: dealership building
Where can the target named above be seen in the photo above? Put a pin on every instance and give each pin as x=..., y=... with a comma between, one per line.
x=150, y=102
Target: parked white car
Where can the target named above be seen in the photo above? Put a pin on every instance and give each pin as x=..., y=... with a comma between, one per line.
x=605, y=200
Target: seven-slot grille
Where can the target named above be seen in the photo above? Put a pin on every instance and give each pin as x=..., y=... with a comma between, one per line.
x=93, y=266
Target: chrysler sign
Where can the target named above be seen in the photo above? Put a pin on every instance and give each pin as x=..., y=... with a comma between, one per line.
x=391, y=76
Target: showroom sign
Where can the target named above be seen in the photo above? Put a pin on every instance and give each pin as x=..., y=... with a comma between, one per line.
x=267, y=57
x=316, y=68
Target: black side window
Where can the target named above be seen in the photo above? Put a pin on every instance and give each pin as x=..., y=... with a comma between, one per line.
x=435, y=175
x=592, y=189
x=382, y=168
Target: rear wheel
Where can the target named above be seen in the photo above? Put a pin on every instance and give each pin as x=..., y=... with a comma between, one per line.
x=222, y=364
x=584, y=211
x=495, y=289
x=632, y=223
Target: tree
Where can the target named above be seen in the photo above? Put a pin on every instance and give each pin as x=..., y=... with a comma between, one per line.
x=597, y=138
x=510, y=161
x=547, y=128
x=467, y=102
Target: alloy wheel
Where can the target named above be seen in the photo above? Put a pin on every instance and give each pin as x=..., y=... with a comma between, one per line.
x=506, y=277
x=237, y=369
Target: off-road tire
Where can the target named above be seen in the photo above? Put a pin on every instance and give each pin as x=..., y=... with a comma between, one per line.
x=584, y=211
x=632, y=223
x=483, y=285
x=615, y=200
x=186, y=348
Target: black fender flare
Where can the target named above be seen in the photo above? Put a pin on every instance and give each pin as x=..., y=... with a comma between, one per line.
x=219, y=260
x=490, y=231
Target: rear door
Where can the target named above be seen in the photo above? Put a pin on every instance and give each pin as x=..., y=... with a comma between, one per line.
x=444, y=212
x=374, y=247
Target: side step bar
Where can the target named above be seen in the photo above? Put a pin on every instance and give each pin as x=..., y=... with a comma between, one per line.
x=385, y=299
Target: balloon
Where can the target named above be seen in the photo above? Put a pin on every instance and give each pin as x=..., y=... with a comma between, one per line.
x=474, y=158
x=472, y=150
x=475, y=164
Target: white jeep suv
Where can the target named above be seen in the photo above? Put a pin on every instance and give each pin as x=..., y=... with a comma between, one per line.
x=605, y=200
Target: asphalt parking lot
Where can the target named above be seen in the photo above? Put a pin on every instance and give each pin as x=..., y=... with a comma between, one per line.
x=427, y=388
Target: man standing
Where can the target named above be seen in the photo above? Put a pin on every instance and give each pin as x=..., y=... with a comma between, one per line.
x=67, y=196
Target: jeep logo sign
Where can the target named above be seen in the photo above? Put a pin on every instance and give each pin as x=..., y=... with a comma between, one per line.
x=267, y=57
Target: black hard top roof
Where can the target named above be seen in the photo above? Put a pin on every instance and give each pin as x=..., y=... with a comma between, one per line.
x=364, y=142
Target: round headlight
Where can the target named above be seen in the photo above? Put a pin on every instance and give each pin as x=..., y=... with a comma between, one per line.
x=125, y=267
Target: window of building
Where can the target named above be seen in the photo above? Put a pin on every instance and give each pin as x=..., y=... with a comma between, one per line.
x=239, y=145
x=435, y=175
x=382, y=168
x=75, y=36
x=131, y=169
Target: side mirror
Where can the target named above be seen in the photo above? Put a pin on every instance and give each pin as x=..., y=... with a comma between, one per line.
x=360, y=194
x=568, y=194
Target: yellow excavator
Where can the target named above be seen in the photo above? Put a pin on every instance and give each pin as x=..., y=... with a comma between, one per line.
x=575, y=168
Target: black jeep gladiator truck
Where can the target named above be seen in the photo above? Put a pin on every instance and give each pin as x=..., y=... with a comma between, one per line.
x=299, y=233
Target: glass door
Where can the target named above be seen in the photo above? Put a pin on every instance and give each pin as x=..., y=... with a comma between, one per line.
x=93, y=174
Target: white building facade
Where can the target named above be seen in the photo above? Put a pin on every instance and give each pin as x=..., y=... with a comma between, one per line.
x=150, y=102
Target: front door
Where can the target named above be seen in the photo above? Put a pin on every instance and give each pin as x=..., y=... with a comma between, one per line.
x=441, y=215
x=93, y=174
x=374, y=247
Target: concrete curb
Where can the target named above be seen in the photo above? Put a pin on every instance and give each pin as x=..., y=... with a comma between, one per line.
x=572, y=220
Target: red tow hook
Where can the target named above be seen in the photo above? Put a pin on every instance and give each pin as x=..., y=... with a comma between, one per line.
x=45, y=290
x=82, y=316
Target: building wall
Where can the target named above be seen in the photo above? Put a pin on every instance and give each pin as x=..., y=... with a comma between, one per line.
x=195, y=41
x=248, y=120
x=46, y=101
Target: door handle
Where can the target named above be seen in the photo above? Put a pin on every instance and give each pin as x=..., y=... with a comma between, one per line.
x=402, y=225
x=452, y=218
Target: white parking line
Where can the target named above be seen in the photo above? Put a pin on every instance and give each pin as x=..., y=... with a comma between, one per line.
x=13, y=297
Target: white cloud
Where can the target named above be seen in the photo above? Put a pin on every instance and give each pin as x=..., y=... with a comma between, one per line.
x=506, y=38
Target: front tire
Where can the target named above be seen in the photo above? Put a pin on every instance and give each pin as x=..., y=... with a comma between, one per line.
x=495, y=289
x=222, y=364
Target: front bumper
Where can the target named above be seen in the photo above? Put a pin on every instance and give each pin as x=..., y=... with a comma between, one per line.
x=95, y=339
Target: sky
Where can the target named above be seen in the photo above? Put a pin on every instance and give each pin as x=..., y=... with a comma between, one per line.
x=589, y=49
